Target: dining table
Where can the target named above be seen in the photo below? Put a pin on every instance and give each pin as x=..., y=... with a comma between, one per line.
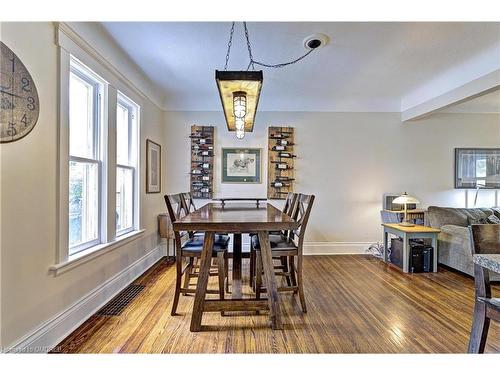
x=236, y=219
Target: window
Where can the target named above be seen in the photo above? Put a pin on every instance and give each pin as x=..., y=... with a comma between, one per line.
x=85, y=157
x=126, y=163
x=99, y=156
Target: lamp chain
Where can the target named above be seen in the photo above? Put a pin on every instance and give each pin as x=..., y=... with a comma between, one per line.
x=229, y=45
x=248, y=47
x=276, y=66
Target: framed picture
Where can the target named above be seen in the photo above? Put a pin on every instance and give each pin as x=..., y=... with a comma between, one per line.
x=153, y=167
x=241, y=165
x=477, y=168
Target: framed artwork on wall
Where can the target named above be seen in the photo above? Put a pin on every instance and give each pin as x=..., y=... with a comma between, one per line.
x=153, y=167
x=477, y=168
x=241, y=165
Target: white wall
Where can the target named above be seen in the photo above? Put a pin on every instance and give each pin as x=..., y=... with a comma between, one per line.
x=30, y=296
x=349, y=160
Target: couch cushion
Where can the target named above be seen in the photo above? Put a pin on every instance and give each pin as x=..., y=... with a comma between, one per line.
x=492, y=219
x=477, y=214
x=478, y=220
x=439, y=216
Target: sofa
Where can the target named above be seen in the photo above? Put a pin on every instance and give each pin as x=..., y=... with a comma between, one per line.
x=454, y=246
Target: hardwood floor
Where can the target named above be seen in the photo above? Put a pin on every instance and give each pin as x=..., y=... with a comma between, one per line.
x=356, y=304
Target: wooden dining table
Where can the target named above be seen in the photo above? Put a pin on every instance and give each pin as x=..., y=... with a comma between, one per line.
x=237, y=219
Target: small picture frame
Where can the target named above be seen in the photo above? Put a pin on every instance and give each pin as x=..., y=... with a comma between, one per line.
x=153, y=167
x=241, y=165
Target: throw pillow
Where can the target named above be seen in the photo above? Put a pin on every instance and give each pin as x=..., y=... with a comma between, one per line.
x=496, y=211
x=479, y=220
x=492, y=219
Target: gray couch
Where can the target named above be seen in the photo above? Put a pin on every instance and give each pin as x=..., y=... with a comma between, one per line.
x=454, y=240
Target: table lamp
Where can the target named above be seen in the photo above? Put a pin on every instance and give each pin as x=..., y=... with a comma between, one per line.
x=406, y=199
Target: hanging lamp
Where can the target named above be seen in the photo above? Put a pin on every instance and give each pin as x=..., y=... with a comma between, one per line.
x=239, y=90
x=239, y=93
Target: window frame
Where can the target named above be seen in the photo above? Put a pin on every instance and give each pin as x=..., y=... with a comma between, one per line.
x=71, y=45
x=85, y=74
x=133, y=143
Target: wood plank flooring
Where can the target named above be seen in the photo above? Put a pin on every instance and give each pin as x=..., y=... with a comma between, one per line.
x=356, y=304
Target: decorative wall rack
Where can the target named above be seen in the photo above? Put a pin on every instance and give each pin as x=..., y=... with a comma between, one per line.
x=281, y=157
x=202, y=161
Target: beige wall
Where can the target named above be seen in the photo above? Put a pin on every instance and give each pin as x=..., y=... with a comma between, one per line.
x=348, y=160
x=30, y=296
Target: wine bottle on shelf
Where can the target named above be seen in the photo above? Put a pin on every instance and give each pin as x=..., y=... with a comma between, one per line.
x=197, y=135
x=198, y=172
x=202, y=141
x=278, y=148
x=284, y=142
x=204, y=153
x=203, y=147
x=281, y=166
x=286, y=155
x=284, y=179
x=203, y=165
x=199, y=184
x=280, y=135
x=279, y=184
x=203, y=190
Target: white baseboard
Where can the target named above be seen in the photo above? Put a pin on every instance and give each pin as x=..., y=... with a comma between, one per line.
x=335, y=248
x=49, y=334
x=330, y=248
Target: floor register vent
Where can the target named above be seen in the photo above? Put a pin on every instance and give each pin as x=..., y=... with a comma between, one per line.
x=116, y=306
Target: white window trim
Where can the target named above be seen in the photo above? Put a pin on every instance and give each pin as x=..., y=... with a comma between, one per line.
x=69, y=43
x=100, y=148
x=134, y=114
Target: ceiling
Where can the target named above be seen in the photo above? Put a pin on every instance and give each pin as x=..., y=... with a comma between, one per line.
x=488, y=103
x=366, y=66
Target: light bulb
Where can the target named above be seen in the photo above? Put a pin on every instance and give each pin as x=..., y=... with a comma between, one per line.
x=239, y=123
x=239, y=104
x=240, y=133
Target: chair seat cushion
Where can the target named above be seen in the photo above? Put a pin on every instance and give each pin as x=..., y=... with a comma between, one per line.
x=278, y=242
x=221, y=242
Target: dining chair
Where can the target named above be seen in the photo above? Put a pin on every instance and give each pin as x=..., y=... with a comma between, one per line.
x=191, y=248
x=291, y=247
x=288, y=208
x=188, y=202
x=485, y=239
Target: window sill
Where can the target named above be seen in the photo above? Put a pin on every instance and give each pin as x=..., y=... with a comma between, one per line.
x=92, y=253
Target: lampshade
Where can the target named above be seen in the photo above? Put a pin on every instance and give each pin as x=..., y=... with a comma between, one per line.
x=405, y=198
x=239, y=93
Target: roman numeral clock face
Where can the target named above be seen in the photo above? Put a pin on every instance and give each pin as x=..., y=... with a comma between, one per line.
x=19, y=106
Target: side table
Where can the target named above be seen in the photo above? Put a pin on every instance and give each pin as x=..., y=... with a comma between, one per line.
x=407, y=233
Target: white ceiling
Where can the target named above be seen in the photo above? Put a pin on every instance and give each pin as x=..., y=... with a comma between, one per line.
x=488, y=103
x=366, y=66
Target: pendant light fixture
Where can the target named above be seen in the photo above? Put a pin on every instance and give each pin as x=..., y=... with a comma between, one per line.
x=239, y=91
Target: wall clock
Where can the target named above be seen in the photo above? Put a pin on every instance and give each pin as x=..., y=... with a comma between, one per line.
x=19, y=105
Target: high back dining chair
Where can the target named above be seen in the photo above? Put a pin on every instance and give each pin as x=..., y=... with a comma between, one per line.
x=289, y=209
x=289, y=247
x=485, y=239
x=189, y=205
x=191, y=248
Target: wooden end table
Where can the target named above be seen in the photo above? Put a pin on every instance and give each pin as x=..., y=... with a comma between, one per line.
x=407, y=233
